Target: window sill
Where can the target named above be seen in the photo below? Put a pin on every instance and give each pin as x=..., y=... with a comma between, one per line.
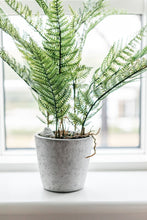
x=107, y=195
x=28, y=162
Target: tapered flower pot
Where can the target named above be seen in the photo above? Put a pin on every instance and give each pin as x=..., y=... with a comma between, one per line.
x=62, y=163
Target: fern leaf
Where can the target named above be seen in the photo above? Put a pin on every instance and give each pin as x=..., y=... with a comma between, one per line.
x=43, y=5
x=60, y=42
x=76, y=120
x=22, y=71
x=24, y=11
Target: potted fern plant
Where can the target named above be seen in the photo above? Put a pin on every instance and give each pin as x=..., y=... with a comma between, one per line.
x=54, y=72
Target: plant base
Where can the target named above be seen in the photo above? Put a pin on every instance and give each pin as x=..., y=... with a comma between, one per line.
x=62, y=162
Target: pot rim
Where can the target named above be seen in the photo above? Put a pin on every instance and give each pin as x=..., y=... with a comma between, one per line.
x=60, y=139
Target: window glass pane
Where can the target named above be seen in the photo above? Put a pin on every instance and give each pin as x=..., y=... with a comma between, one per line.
x=123, y=117
x=21, y=109
x=119, y=119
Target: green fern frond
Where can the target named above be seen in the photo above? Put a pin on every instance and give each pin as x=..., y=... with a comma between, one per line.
x=140, y=53
x=22, y=71
x=76, y=120
x=63, y=111
x=118, y=68
x=44, y=73
x=87, y=18
x=52, y=89
x=91, y=9
x=44, y=6
x=9, y=28
x=45, y=110
x=118, y=58
x=82, y=72
x=60, y=42
x=34, y=21
x=42, y=120
x=126, y=75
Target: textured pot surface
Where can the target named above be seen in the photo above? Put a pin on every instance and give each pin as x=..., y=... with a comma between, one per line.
x=62, y=163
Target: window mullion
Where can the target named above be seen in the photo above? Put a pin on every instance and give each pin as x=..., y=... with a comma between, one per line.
x=2, y=101
x=144, y=93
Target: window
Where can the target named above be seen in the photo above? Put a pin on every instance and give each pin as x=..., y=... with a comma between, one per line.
x=116, y=130
x=122, y=119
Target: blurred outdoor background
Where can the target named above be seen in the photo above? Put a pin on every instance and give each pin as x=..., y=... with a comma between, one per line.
x=119, y=118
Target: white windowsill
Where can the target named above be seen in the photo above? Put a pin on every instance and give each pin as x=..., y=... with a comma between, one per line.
x=28, y=162
x=106, y=194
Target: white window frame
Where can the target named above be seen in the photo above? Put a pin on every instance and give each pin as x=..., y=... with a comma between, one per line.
x=106, y=159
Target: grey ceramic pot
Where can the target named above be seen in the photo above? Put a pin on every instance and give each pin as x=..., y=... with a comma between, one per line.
x=62, y=163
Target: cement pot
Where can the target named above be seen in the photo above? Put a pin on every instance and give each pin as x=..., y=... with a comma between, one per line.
x=62, y=163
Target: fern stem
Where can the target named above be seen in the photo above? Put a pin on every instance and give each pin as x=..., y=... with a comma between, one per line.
x=74, y=98
x=62, y=124
x=56, y=133
x=83, y=130
x=48, y=120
